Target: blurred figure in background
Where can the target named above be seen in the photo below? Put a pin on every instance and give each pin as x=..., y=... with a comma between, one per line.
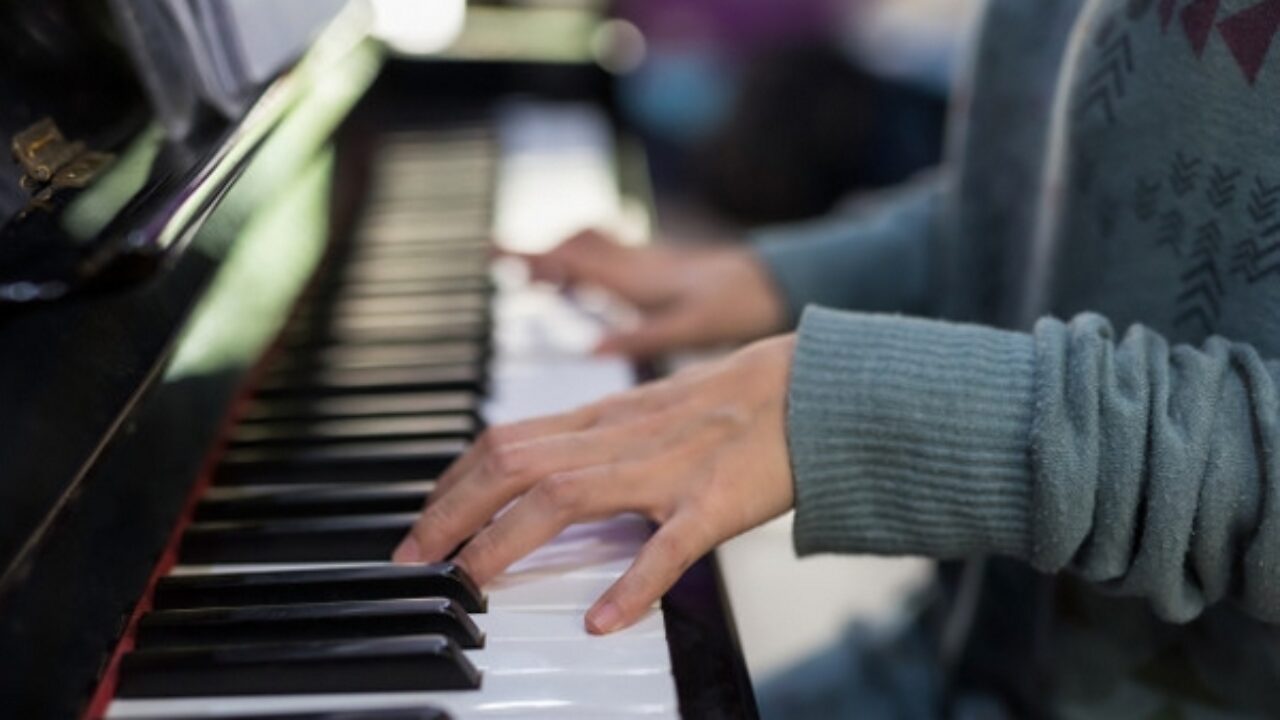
x=726, y=82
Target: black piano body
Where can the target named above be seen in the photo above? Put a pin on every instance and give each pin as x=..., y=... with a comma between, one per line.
x=110, y=397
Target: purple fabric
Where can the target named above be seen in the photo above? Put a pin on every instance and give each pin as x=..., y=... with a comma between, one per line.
x=735, y=25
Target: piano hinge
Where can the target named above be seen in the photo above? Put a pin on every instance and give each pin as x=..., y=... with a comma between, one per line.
x=53, y=163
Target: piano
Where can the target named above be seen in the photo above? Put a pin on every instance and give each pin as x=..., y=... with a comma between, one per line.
x=231, y=365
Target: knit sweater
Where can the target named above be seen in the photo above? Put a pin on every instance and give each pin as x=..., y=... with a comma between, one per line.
x=1112, y=164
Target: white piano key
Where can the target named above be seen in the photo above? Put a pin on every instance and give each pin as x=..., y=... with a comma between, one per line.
x=604, y=562
x=500, y=626
x=607, y=547
x=547, y=591
x=521, y=390
x=585, y=658
x=627, y=527
x=566, y=695
x=556, y=174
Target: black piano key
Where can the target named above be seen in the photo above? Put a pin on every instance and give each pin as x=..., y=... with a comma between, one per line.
x=462, y=245
x=345, y=406
x=444, y=331
x=446, y=268
x=313, y=622
x=434, y=309
x=349, y=538
x=384, y=582
x=389, y=240
x=421, y=663
x=411, y=305
x=303, y=502
x=332, y=295
x=402, y=287
x=428, y=378
x=373, y=319
x=427, y=216
x=376, y=322
x=458, y=425
x=389, y=460
x=330, y=337
x=423, y=713
x=374, y=356
x=466, y=185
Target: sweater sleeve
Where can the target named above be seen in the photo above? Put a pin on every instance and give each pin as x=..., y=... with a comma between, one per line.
x=1146, y=468
x=875, y=260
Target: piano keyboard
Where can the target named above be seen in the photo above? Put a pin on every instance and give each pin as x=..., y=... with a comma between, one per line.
x=282, y=604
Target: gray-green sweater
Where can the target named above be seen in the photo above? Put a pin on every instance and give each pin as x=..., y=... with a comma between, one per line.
x=1115, y=163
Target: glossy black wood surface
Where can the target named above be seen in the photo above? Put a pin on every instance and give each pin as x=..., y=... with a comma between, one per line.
x=60, y=59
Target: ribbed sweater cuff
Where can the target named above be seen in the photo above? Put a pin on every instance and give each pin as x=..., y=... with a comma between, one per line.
x=910, y=436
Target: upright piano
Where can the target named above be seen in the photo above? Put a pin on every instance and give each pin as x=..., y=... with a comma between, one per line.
x=232, y=363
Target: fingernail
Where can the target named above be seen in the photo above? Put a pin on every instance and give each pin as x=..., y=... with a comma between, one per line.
x=407, y=552
x=604, y=619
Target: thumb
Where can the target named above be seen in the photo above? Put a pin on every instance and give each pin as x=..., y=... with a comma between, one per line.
x=657, y=567
x=657, y=334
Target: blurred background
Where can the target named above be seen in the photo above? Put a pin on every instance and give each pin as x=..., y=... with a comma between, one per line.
x=751, y=111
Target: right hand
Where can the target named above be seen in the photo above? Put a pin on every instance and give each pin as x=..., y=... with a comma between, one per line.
x=688, y=297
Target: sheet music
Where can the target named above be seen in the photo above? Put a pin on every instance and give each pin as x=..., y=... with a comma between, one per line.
x=215, y=52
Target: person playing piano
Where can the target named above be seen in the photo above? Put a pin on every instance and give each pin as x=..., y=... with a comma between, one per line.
x=1057, y=353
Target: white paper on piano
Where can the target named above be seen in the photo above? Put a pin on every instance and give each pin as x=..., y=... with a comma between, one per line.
x=217, y=51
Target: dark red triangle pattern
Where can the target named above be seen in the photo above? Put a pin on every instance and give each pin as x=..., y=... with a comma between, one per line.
x=1249, y=34
x=1197, y=21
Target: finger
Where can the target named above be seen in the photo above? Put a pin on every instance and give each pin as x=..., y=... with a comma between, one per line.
x=545, y=511
x=656, y=335
x=575, y=259
x=450, y=517
x=498, y=437
x=661, y=561
x=506, y=472
x=593, y=258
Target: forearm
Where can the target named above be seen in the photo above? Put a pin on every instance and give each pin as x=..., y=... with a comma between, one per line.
x=1137, y=465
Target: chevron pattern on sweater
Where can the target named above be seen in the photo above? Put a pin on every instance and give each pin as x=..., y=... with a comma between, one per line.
x=1254, y=259
x=1106, y=84
x=1221, y=190
x=1264, y=200
x=1183, y=174
x=1200, y=300
x=1172, y=226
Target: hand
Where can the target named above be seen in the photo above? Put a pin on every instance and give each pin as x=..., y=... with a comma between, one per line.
x=687, y=297
x=702, y=453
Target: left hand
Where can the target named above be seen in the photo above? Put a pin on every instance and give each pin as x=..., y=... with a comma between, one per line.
x=702, y=453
